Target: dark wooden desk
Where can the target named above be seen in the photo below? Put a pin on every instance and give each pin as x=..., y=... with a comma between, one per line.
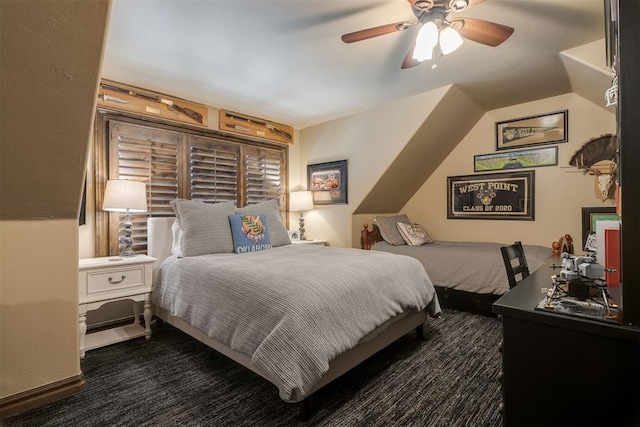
x=563, y=370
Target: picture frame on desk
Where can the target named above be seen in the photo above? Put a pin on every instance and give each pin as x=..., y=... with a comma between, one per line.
x=591, y=215
x=294, y=235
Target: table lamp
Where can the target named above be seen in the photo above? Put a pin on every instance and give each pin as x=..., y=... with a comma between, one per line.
x=125, y=196
x=301, y=201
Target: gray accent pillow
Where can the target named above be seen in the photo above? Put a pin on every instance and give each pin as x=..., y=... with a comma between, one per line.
x=205, y=227
x=271, y=209
x=389, y=228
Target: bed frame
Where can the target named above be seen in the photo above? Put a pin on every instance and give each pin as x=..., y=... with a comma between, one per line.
x=449, y=298
x=159, y=246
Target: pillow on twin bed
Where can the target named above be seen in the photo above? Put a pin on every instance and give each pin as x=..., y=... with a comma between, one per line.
x=389, y=230
x=270, y=209
x=205, y=227
x=250, y=233
x=414, y=234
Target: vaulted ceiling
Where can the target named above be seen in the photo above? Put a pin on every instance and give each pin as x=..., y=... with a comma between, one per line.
x=283, y=60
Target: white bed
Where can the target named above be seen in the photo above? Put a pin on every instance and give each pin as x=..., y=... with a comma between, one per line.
x=399, y=324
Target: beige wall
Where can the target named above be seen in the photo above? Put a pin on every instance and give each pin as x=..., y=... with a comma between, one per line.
x=371, y=140
x=51, y=56
x=560, y=191
x=39, y=293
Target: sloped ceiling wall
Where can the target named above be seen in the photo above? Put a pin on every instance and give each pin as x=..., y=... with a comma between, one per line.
x=455, y=115
x=51, y=55
x=588, y=74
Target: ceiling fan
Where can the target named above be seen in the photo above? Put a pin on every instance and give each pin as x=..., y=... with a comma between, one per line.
x=438, y=35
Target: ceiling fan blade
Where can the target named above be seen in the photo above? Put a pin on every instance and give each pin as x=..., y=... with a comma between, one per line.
x=374, y=32
x=409, y=61
x=480, y=31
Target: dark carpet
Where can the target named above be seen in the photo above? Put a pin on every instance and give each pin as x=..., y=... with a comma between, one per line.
x=448, y=379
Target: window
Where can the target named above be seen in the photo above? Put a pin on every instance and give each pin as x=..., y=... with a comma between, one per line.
x=178, y=162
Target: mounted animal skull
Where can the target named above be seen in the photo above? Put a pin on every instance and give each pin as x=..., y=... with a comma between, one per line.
x=597, y=157
x=605, y=173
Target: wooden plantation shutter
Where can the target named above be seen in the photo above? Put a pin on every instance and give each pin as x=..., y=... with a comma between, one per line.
x=178, y=162
x=263, y=174
x=151, y=156
x=213, y=170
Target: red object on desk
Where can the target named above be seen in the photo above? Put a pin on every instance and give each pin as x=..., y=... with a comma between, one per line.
x=612, y=256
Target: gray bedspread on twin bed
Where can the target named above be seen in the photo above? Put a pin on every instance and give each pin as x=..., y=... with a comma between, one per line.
x=467, y=266
x=293, y=308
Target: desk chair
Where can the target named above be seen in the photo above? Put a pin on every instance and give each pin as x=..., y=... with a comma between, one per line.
x=509, y=254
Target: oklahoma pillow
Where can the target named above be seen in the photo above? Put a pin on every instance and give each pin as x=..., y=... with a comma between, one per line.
x=250, y=233
x=414, y=234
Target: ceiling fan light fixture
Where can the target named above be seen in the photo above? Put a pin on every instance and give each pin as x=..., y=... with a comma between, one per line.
x=425, y=42
x=450, y=40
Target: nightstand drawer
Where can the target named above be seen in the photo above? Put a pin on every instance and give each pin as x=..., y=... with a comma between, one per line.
x=125, y=278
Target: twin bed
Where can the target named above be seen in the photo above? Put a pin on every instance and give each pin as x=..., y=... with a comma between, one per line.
x=298, y=315
x=469, y=275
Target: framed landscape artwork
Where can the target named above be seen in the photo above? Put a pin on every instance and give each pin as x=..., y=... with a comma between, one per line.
x=548, y=128
x=516, y=159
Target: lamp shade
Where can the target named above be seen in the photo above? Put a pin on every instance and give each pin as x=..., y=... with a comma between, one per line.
x=121, y=195
x=425, y=42
x=300, y=201
x=450, y=40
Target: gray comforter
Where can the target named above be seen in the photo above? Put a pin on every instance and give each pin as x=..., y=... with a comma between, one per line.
x=467, y=266
x=295, y=308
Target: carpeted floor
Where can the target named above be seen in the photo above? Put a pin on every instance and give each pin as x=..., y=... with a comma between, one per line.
x=448, y=379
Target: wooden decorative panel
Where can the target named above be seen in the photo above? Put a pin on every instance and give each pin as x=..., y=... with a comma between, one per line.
x=252, y=126
x=118, y=96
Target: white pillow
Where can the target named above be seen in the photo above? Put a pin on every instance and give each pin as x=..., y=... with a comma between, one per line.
x=176, y=245
x=414, y=234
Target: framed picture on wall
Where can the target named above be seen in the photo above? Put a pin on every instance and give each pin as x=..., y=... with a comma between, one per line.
x=548, y=128
x=505, y=160
x=328, y=182
x=506, y=195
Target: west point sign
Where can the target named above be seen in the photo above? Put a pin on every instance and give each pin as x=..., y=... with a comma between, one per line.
x=491, y=196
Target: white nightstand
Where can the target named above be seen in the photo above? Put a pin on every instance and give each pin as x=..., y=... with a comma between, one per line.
x=309, y=242
x=101, y=281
